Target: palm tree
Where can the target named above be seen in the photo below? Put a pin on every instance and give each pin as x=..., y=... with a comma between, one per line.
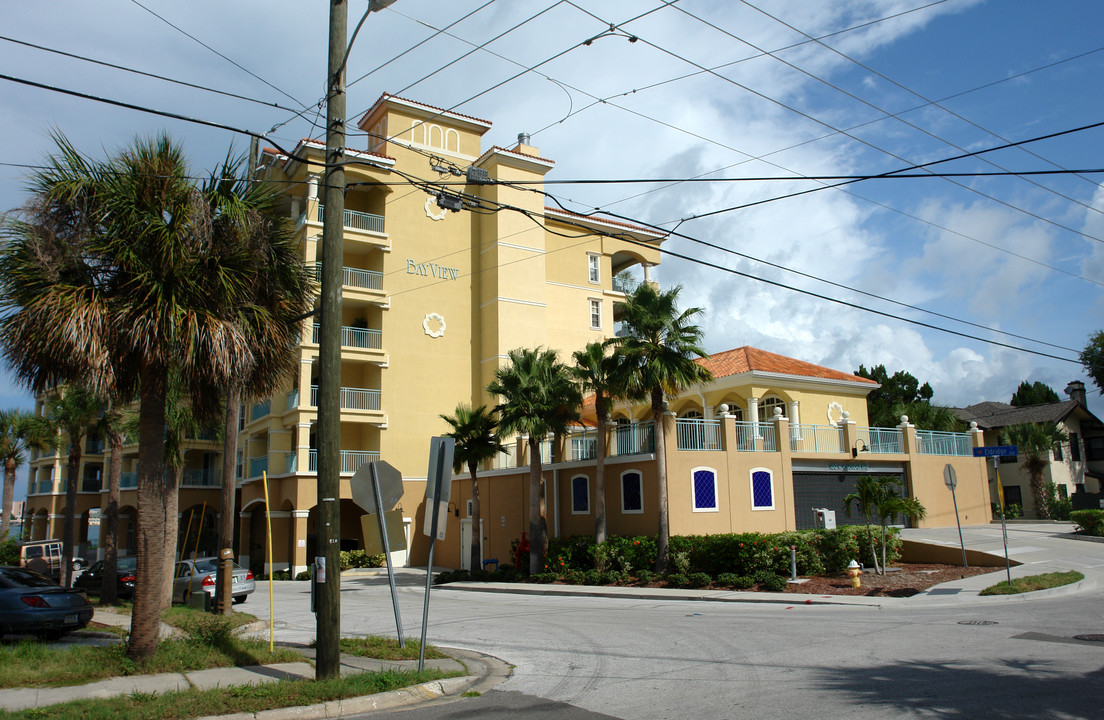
x=1035, y=443
x=20, y=431
x=605, y=376
x=660, y=348
x=476, y=441
x=123, y=270
x=877, y=497
x=72, y=410
x=538, y=397
x=111, y=427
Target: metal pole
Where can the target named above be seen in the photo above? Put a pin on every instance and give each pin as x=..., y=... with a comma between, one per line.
x=1004, y=528
x=271, y=568
x=328, y=600
x=961, y=542
x=387, y=552
x=436, y=504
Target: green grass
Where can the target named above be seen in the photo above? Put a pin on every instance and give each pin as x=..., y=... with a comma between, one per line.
x=224, y=701
x=384, y=648
x=1034, y=582
x=181, y=616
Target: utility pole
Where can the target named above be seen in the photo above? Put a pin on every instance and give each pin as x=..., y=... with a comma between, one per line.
x=327, y=594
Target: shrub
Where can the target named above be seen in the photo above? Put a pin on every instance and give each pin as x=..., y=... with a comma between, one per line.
x=773, y=583
x=676, y=580
x=451, y=576
x=209, y=630
x=728, y=579
x=360, y=559
x=1013, y=511
x=644, y=577
x=304, y=575
x=699, y=580
x=572, y=577
x=680, y=562
x=9, y=552
x=506, y=573
x=544, y=578
x=281, y=575
x=591, y=577
x=743, y=582
x=613, y=577
x=1089, y=522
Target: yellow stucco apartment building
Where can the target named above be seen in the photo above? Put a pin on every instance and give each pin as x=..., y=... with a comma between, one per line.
x=432, y=301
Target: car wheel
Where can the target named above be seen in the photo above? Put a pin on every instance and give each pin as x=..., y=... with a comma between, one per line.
x=238, y=599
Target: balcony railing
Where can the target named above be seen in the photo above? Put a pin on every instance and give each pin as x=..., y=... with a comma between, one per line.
x=200, y=477
x=260, y=410
x=258, y=465
x=582, y=445
x=507, y=458
x=816, y=438
x=698, y=434
x=351, y=460
x=355, y=277
x=881, y=440
x=293, y=398
x=354, y=337
x=635, y=439
x=931, y=442
x=359, y=220
x=624, y=285
x=92, y=483
x=94, y=447
x=128, y=480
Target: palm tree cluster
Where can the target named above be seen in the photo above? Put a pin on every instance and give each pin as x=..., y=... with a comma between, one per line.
x=120, y=273
x=541, y=396
x=876, y=497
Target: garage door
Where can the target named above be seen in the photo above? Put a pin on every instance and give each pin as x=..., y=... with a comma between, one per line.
x=827, y=490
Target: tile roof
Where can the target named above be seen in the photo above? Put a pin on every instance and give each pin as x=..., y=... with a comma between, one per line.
x=749, y=359
x=443, y=111
x=997, y=415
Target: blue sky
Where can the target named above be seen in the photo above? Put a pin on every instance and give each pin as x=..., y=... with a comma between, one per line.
x=891, y=83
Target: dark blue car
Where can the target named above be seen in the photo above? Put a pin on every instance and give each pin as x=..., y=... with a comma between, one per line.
x=36, y=605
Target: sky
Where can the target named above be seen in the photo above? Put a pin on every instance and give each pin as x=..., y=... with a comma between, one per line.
x=755, y=97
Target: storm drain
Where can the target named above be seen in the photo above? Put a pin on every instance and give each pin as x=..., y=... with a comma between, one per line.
x=977, y=622
x=1092, y=637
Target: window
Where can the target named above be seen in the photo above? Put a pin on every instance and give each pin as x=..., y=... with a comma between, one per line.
x=1058, y=452
x=767, y=406
x=692, y=415
x=1075, y=447
x=632, y=493
x=594, y=268
x=762, y=489
x=595, y=314
x=705, y=489
x=580, y=495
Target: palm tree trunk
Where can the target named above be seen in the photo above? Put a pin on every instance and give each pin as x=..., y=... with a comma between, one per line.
x=172, y=532
x=476, y=531
x=663, y=540
x=883, y=549
x=145, y=621
x=69, y=534
x=108, y=593
x=9, y=494
x=226, y=499
x=873, y=550
x=600, y=471
x=536, y=541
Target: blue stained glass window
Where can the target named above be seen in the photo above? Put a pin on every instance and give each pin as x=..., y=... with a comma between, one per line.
x=705, y=490
x=632, y=499
x=762, y=494
x=580, y=498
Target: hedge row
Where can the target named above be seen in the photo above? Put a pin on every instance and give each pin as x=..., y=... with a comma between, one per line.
x=1089, y=522
x=741, y=554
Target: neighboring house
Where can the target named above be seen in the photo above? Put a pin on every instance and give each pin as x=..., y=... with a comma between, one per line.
x=1076, y=466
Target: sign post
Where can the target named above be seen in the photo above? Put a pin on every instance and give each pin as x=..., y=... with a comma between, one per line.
x=438, y=492
x=997, y=452
x=381, y=475
x=951, y=479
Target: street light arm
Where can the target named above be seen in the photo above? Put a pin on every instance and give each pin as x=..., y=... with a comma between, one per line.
x=373, y=6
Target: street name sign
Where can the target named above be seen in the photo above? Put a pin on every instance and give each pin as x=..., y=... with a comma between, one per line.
x=997, y=451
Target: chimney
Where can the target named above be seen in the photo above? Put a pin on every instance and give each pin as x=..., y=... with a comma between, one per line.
x=1076, y=391
x=523, y=138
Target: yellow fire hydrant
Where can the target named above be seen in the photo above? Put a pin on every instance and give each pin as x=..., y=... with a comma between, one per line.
x=855, y=573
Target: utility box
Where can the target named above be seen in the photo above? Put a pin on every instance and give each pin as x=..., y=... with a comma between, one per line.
x=825, y=518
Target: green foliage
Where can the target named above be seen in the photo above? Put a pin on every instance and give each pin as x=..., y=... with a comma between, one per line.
x=644, y=577
x=729, y=579
x=902, y=388
x=698, y=580
x=1034, y=582
x=1035, y=442
x=361, y=559
x=1035, y=393
x=451, y=576
x=9, y=551
x=303, y=575
x=676, y=580
x=1057, y=508
x=1089, y=522
x=1013, y=511
x=1092, y=357
x=773, y=583
x=544, y=578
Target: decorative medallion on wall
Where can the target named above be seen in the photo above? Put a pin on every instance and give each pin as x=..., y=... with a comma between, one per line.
x=431, y=206
x=836, y=409
x=434, y=325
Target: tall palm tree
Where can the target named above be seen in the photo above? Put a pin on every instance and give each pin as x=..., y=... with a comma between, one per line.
x=660, y=347
x=119, y=273
x=877, y=497
x=72, y=410
x=20, y=431
x=474, y=431
x=539, y=397
x=606, y=377
x=1035, y=442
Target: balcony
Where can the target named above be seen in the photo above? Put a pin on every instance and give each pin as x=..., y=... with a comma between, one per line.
x=756, y=436
x=698, y=434
x=930, y=442
x=199, y=477
x=258, y=465
x=260, y=410
x=885, y=441
x=582, y=445
x=362, y=221
x=816, y=438
x=624, y=285
x=352, y=337
x=128, y=480
x=635, y=439
x=351, y=460
x=355, y=278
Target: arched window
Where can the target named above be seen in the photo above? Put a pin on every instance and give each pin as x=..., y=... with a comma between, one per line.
x=580, y=495
x=691, y=415
x=767, y=406
x=632, y=493
x=704, y=482
x=762, y=489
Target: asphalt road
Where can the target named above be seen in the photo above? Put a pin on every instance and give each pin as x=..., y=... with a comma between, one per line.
x=592, y=657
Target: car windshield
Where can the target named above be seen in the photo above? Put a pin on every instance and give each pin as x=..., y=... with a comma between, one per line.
x=126, y=564
x=206, y=565
x=18, y=577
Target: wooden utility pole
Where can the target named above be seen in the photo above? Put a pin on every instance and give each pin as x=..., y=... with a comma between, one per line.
x=327, y=594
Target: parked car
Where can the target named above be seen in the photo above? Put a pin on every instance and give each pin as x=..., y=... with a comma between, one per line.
x=31, y=603
x=200, y=577
x=91, y=580
x=44, y=557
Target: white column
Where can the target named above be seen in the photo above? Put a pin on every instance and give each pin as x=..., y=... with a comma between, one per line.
x=795, y=420
x=753, y=414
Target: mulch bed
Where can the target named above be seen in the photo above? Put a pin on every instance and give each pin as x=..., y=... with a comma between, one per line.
x=902, y=580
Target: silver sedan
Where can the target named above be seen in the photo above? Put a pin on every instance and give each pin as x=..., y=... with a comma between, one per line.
x=200, y=576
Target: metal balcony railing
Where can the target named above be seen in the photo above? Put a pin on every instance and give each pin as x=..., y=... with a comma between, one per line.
x=200, y=477
x=258, y=465
x=354, y=337
x=128, y=480
x=351, y=460
x=931, y=442
x=635, y=439
x=358, y=220
x=355, y=277
x=881, y=440
x=698, y=434
x=816, y=438
x=582, y=445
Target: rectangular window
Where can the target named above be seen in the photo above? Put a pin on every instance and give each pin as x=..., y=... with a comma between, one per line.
x=594, y=268
x=705, y=490
x=595, y=314
x=580, y=495
x=762, y=490
x=1075, y=447
x=632, y=494
x=1058, y=452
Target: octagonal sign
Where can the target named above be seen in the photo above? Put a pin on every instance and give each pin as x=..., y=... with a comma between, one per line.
x=390, y=486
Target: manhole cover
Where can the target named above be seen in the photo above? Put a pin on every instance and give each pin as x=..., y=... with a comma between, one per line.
x=1094, y=637
x=977, y=622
